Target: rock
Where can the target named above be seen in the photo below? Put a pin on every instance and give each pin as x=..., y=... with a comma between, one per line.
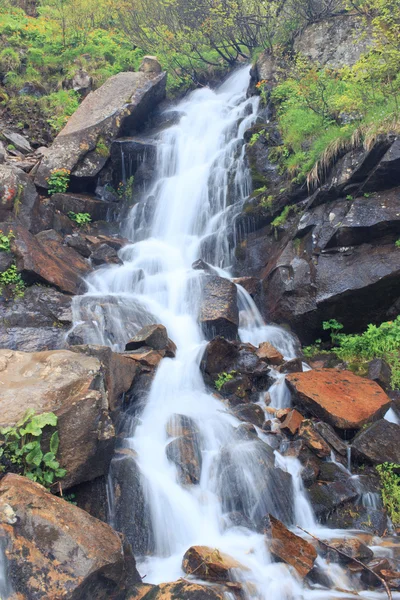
x=218, y=311
x=146, y=356
x=379, y=371
x=288, y=547
x=330, y=472
x=185, y=453
x=71, y=386
x=32, y=88
x=134, y=156
x=335, y=42
x=105, y=255
x=353, y=516
x=292, y=422
x=45, y=260
x=325, y=498
x=250, y=284
x=246, y=431
x=91, y=496
x=17, y=140
x=56, y=550
x=80, y=203
x=131, y=514
x=209, y=564
x=79, y=243
x=377, y=444
x=291, y=366
x=219, y=356
x=353, y=547
x=269, y=354
x=377, y=565
x=251, y=413
x=150, y=64
x=3, y=153
x=81, y=82
x=119, y=105
x=386, y=173
x=182, y=590
x=340, y=398
x=310, y=463
x=153, y=336
x=329, y=435
x=181, y=425
x=19, y=197
x=313, y=440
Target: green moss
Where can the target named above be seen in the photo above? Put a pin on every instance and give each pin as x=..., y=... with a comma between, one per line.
x=102, y=148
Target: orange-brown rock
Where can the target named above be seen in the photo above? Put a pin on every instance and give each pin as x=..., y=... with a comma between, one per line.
x=57, y=551
x=182, y=590
x=269, y=354
x=292, y=422
x=313, y=439
x=146, y=356
x=340, y=398
x=43, y=259
x=290, y=548
x=209, y=563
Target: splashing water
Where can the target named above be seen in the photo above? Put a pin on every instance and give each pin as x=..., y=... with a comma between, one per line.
x=189, y=213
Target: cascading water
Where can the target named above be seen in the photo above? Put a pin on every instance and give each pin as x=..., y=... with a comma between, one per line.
x=188, y=214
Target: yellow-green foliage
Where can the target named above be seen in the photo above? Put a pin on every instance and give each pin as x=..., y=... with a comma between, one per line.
x=390, y=482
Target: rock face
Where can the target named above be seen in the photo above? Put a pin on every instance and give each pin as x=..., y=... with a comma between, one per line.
x=154, y=336
x=71, y=386
x=19, y=198
x=218, y=312
x=340, y=398
x=181, y=590
x=44, y=259
x=120, y=105
x=209, y=564
x=80, y=203
x=288, y=547
x=56, y=550
x=378, y=444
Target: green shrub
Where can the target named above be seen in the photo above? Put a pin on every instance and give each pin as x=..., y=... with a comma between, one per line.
x=390, y=482
x=5, y=241
x=80, y=219
x=21, y=449
x=282, y=218
x=13, y=281
x=58, y=181
x=397, y=244
x=224, y=378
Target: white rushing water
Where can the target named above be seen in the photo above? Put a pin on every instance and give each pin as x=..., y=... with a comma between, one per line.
x=201, y=183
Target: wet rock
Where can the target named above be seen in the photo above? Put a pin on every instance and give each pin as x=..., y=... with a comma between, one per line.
x=105, y=255
x=153, y=336
x=353, y=547
x=330, y=472
x=17, y=140
x=292, y=422
x=313, y=439
x=146, y=357
x=134, y=156
x=237, y=390
x=325, y=498
x=377, y=565
x=329, y=435
x=288, y=547
x=340, y=398
x=202, y=265
x=250, y=284
x=246, y=431
x=185, y=453
x=218, y=310
x=291, y=366
x=71, y=386
x=181, y=425
x=236, y=519
x=251, y=413
x=310, y=463
x=57, y=550
x=209, y=564
x=130, y=510
x=219, y=356
x=80, y=203
x=380, y=372
x=79, y=243
x=183, y=590
x=354, y=516
x=119, y=105
x=19, y=197
x=91, y=496
x=45, y=260
x=269, y=354
x=386, y=174
x=377, y=444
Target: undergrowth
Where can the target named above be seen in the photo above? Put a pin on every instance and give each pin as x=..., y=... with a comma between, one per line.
x=390, y=483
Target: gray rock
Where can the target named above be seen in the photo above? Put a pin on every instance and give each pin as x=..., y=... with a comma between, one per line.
x=377, y=444
x=80, y=203
x=218, y=310
x=105, y=255
x=153, y=336
x=19, y=197
x=250, y=413
x=19, y=141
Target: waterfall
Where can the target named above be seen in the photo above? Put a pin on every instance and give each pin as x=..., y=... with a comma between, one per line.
x=188, y=213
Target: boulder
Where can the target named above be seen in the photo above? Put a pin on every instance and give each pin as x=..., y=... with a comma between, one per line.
x=150, y=64
x=105, y=255
x=182, y=590
x=340, y=398
x=329, y=435
x=80, y=82
x=81, y=203
x=185, y=452
x=220, y=356
x=250, y=413
x=377, y=444
x=379, y=371
x=269, y=354
x=325, y=498
x=288, y=547
x=17, y=140
x=292, y=422
x=44, y=259
x=19, y=197
x=386, y=173
x=56, y=550
x=250, y=284
x=153, y=336
x=219, y=313
x=313, y=440
x=209, y=564
x=119, y=105
x=134, y=156
x=71, y=386
x=353, y=547
x=352, y=515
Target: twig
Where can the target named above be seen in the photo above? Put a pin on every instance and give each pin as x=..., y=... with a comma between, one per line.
x=358, y=562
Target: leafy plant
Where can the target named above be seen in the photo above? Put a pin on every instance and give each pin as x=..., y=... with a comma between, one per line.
x=5, y=241
x=282, y=218
x=349, y=197
x=397, y=244
x=390, y=482
x=333, y=326
x=80, y=219
x=310, y=351
x=224, y=378
x=256, y=136
x=21, y=449
x=12, y=279
x=58, y=181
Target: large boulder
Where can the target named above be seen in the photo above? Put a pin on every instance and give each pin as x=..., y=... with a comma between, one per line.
x=378, y=443
x=219, y=313
x=182, y=590
x=19, y=198
x=154, y=336
x=44, y=259
x=71, y=386
x=81, y=203
x=340, y=398
x=288, y=547
x=209, y=564
x=56, y=550
x=118, y=106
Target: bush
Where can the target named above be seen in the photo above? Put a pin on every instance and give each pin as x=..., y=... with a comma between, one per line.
x=390, y=482
x=224, y=378
x=13, y=282
x=58, y=181
x=80, y=219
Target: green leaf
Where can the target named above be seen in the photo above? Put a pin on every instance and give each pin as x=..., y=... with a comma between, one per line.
x=34, y=457
x=44, y=419
x=29, y=413
x=54, y=443
x=60, y=473
x=48, y=476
